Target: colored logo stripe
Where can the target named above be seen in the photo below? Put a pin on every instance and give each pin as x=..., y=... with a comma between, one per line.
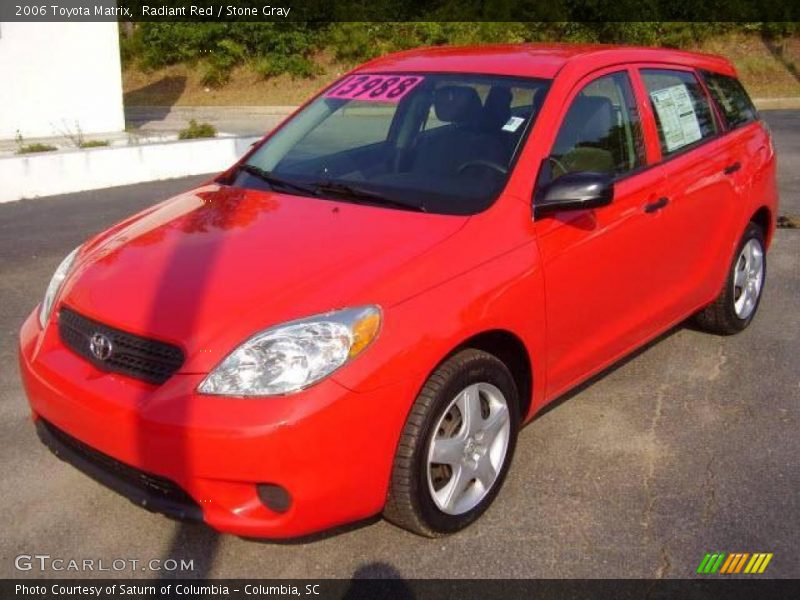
x=711, y=563
x=758, y=563
x=734, y=563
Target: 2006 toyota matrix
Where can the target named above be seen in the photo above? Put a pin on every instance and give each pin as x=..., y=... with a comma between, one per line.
x=358, y=316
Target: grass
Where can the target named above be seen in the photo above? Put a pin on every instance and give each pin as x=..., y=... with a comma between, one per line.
x=197, y=130
x=767, y=69
x=94, y=143
x=33, y=148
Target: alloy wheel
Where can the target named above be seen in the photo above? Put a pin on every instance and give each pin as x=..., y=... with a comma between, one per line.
x=468, y=448
x=748, y=278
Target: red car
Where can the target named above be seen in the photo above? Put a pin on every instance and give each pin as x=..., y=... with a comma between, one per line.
x=358, y=316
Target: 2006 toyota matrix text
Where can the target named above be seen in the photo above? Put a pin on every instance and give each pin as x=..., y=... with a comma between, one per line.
x=357, y=317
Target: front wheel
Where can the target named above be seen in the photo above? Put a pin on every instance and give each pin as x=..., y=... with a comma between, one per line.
x=737, y=303
x=456, y=445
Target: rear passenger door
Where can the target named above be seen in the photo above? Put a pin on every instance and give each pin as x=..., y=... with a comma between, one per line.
x=702, y=169
x=749, y=138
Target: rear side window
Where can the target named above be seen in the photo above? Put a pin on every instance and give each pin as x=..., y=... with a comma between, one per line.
x=732, y=99
x=682, y=109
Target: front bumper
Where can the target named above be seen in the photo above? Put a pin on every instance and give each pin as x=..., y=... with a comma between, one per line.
x=149, y=491
x=329, y=447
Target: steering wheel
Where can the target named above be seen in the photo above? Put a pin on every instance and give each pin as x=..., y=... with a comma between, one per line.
x=489, y=164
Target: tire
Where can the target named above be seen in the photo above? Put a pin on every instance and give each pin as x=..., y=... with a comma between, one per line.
x=737, y=304
x=419, y=498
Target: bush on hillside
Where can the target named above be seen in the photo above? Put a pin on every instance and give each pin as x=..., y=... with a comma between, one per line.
x=273, y=49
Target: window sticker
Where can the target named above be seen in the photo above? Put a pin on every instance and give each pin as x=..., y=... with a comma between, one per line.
x=513, y=124
x=678, y=119
x=375, y=88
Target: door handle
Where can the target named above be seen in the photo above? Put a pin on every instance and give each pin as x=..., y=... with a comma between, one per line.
x=657, y=205
x=731, y=169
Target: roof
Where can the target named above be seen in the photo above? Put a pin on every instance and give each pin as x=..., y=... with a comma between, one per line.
x=534, y=60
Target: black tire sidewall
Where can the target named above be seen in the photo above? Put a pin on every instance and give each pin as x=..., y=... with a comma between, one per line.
x=488, y=370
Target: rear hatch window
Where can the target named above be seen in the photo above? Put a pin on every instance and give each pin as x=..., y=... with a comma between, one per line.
x=731, y=98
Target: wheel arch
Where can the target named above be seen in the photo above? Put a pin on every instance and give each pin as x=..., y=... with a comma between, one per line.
x=763, y=218
x=513, y=352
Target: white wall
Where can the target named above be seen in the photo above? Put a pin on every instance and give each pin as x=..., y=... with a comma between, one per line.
x=54, y=74
x=49, y=173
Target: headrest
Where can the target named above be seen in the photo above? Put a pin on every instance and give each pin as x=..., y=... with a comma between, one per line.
x=497, y=108
x=456, y=104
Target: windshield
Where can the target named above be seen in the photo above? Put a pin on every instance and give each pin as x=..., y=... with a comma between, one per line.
x=441, y=143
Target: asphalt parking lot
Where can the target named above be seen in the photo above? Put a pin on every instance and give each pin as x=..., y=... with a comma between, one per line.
x=690, y=446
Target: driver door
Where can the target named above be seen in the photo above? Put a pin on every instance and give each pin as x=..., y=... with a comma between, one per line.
x=602, y=266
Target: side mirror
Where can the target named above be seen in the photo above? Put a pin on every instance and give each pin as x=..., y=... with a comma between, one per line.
x=574, y=191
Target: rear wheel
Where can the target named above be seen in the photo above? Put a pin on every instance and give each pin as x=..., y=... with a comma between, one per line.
x=456, y=446
x=735, y=307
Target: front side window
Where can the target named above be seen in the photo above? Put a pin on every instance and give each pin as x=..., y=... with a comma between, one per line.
x=681, y=108
x=601, y=131
x=442, y=143
x=731, y=98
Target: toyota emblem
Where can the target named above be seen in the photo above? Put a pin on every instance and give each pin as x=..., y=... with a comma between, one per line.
x=100, y=346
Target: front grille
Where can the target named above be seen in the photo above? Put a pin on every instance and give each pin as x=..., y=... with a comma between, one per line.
x=143, y=358
x=151, y=491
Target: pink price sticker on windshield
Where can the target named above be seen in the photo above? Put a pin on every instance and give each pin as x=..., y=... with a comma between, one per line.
x=375, y=88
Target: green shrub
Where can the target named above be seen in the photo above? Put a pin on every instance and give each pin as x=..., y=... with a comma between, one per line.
x=296, y=66
x=215, y=75
x=221, y=61
x=131, y=46
x=197, y=130
x=220, y=47
x=94, y=143
x=23, y=148
x=358, y=41
x=31, y=148
x=273, y=48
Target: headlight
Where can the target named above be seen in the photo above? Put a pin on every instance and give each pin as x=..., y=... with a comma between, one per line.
x=55, y=286
x=292, y=356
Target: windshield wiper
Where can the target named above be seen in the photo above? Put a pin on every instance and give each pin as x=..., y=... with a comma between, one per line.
x=275, y=181
x=343, y=190
x=356, y=193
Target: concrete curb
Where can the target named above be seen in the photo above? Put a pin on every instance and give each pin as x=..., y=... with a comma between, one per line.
x=787, y=103
x=236, y=119
x=51, y=173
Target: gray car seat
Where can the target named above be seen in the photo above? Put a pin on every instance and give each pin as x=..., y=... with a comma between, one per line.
x=445, y=149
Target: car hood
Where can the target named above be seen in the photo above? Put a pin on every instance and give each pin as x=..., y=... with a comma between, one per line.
x=207, y=269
